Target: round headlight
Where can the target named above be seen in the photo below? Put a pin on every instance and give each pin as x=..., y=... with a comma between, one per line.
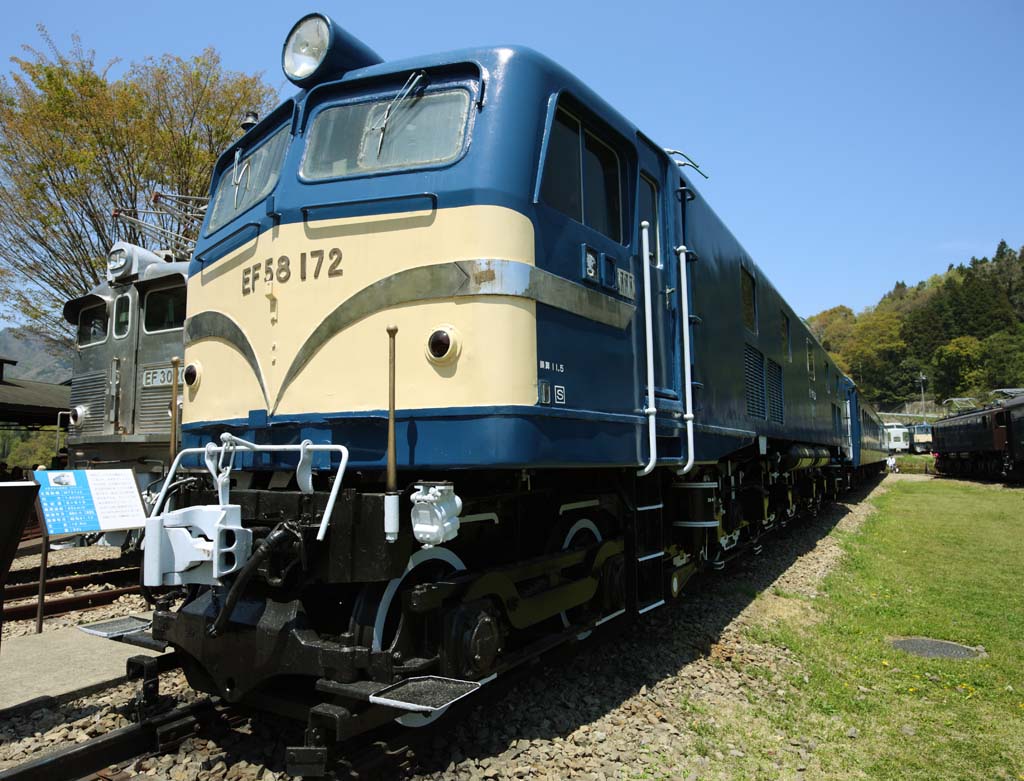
x=192, y=373
x=116, y=260
x=305, y=47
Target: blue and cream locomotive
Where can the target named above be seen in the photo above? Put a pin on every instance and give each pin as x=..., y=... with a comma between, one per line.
x=474, y=369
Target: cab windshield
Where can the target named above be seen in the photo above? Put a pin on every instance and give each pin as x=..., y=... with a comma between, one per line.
x=92, y=325
x=248, y=180
x=360, y=138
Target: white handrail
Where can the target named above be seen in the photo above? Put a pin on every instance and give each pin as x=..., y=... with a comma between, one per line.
x=687, y=389
x=231, y=443
x=651, y=411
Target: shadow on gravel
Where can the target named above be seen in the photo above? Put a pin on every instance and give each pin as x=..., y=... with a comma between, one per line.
x=607, y=671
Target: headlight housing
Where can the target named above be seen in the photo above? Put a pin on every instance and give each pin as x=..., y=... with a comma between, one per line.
x=305, y=48
x=317, y=49
x=116, y=261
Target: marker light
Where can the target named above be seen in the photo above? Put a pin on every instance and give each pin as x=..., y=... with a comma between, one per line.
x=439, y=344
x=305, y=47
x=443, y=344
x=78, y=414
x=191, y=373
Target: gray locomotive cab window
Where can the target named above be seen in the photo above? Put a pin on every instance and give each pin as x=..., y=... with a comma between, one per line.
x=748, y=295
x=810, y=360
x=649, y=212
x=360, y=138
x=248, y=181
x=92, y=325
x=581, y=177
x=165, y=309
x=122, y=316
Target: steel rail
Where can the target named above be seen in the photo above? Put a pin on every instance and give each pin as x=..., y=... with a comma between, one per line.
x=56, y=607
x=23, y=590
x=157, y=733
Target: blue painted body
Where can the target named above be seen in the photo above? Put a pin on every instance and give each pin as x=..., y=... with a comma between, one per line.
x=516, y=91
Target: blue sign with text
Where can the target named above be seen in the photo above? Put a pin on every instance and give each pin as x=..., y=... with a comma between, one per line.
x=75, y=501
x=67, y=502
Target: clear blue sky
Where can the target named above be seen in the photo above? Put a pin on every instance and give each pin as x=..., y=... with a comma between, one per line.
x=878, y=136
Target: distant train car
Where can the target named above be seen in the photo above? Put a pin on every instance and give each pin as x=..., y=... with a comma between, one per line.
x=897, y=438
x=987, y=442
x=127, y=331
x=921, y=438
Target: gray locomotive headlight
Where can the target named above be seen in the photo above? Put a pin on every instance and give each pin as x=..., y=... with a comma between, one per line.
x=116, y=261
x=305, y=48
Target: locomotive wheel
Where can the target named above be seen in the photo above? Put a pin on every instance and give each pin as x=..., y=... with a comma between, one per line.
x=377, y=619
x=582, y=534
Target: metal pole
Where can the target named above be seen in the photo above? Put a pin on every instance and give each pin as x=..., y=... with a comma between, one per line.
x=175, y=362
x=392, y=478
x=42, y=567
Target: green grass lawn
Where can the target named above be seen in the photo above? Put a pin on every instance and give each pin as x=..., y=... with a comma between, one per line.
x=916, y=463
x=937, y=559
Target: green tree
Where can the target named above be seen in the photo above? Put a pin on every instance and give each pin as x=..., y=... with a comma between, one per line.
x=76, y=143
x=834, y=327
x=1002, y=359
x=37, y=448
x=877, y=357
x=957, y=368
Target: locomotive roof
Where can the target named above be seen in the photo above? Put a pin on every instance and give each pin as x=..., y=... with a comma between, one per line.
x=1000, y=404
x=105, y=292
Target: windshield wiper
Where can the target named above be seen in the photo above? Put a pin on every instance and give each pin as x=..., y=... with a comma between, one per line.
x=410, y=84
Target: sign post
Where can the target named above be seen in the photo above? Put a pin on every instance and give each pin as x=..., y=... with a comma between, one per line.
x=78, y=501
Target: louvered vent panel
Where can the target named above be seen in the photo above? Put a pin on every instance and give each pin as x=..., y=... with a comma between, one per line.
x=90, y=390
x=153, y=402
x=753, y=372
x=776, y=402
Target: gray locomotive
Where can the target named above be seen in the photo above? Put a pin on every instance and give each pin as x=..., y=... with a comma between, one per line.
x=128, y=341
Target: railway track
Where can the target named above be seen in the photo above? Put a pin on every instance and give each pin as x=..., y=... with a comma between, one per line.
x=31, y=588
x=58, y=601
x=83, y=600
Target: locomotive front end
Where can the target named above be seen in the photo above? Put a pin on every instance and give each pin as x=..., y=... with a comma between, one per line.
x=349, y=209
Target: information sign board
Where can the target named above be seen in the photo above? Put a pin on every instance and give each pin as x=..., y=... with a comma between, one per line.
x=75, y=501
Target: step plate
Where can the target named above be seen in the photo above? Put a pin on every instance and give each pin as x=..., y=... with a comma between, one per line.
x=424, y=694
x=117, y=627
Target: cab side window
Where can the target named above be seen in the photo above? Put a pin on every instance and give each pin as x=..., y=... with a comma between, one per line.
x=122, y=316
x=649, y=212
x=748, y=294
x=165, y=309
x=581, y=177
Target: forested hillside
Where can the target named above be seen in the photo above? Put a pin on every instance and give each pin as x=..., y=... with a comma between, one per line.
x=963, y=329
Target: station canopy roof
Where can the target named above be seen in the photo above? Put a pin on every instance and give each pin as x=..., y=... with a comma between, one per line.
x=30, y=403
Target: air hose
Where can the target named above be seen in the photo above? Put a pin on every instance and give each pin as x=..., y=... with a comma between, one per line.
x=280, y=534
